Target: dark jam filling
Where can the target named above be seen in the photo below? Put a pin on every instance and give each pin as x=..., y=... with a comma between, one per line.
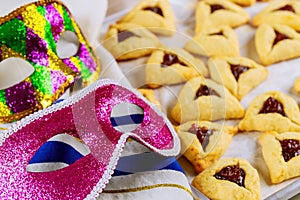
x=219, y=33
x=232, y=173
x=123, y=35
x=290, y=149
x=215, y=7
x=279, y=37
x=170, y=59
x=205, y=91
x=203, y=134
x=237, y=70
x=271, y=105
x=156, y=10
x=287, y=8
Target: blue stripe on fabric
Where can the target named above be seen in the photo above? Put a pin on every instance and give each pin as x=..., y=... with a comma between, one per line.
x=58, y=101
x=54, y=151
x=173, y=166
x=145, y=162
x=127, y=120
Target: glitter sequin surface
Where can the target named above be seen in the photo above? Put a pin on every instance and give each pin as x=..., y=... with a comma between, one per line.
x=87, y=116
x=153, y=129
x=20, y=97
x=74, y=182
x=31, y=33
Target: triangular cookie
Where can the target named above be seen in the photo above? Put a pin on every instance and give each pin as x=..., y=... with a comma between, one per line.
x=156, y=15
x=171, y=66
x=281, y=153
x=276, y=43
x=203, y=99
x=272, y=111
x=280, y=12
x=202, y=142
x=230, y=178
x=243, y=2
x=150, y=96
x=238, y=74
x=128, y=41
x=213, y=13
x=215, y=41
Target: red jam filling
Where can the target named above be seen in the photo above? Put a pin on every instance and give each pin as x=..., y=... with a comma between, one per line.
x=170, y=59
x=271, y=105
x=215, y=7
x=205, y=91
x=232, y=173
x=203, y=134
x=218, y=33
x=290, y=148
x=123, y=35
x=287, y=8
x=237, y=70
x=156, y=10
x=279, y=37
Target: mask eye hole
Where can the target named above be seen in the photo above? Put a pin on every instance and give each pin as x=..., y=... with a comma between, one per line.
x=57, y=153
x=126, y=117
x=67, y=45
x=13, y=71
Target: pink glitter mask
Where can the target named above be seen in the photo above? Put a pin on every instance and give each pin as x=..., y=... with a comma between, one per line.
x=86, y=115
x=32, y=33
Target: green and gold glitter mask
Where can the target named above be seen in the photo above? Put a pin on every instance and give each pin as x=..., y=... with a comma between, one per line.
x=32, y=33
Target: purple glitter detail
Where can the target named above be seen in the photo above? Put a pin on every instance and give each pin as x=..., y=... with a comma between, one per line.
x=86, y=58
x=20, y=97
x=36, y=49
x=57, y=79
x=70, y=64
x=56, y=21
x=20, y=17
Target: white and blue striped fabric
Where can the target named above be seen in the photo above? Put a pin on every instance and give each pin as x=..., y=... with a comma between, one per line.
x=126, y=117
x=59, y=152
x=136, y=161
x=63, y=150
